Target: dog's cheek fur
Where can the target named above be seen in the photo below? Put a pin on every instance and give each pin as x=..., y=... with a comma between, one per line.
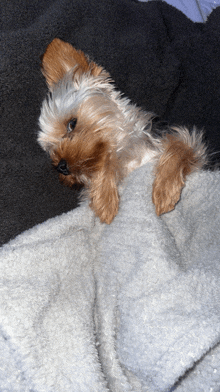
x=177, y=161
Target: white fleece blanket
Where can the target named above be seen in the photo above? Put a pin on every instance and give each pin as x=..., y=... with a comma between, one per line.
x=134, y=306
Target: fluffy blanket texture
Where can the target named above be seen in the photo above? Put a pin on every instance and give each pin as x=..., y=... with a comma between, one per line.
x=134, y=306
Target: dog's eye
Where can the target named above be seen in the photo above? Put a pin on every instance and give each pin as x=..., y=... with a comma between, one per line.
x=71, y=125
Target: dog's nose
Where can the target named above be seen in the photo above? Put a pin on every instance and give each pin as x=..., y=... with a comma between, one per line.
x=63, y=168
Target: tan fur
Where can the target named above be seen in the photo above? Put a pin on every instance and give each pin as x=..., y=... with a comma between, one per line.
x=177, y=161
x=59, y=59
x=95, y=167
x=104, y=190
x=111, y=137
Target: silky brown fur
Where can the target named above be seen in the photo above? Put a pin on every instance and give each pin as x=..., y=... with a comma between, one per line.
x=58, y=59
x=177, y=161
x=111, y=136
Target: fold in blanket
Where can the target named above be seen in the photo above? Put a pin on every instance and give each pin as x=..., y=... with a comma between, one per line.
x=134, y=306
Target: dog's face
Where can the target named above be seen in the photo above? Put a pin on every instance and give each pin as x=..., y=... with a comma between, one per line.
x=78, y=124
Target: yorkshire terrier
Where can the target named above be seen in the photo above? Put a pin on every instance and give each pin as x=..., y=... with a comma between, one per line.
x=96, y=137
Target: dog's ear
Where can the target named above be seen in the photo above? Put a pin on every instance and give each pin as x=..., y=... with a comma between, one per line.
x=60, y=57
x=104, y=191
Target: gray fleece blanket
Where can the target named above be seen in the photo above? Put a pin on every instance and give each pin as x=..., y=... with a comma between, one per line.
x=134, y=306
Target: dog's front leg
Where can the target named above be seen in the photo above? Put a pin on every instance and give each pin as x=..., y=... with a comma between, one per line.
x=103, y=192
x=182, y=154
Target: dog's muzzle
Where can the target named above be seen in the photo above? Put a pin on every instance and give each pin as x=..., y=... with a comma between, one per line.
x=62, y=167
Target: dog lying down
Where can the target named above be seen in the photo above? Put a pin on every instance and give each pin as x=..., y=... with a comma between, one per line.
x=96, y=137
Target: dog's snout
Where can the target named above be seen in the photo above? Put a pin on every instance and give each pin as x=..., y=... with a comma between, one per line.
x=62, y=167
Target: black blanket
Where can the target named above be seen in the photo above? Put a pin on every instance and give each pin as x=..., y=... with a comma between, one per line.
x=160, y=59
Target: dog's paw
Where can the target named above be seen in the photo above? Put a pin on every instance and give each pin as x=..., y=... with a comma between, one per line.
x=166, y=193
x=105, y=208
x=103, y=193
x=175, y=163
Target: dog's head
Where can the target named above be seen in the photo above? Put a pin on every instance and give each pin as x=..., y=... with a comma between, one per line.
x=78, y=125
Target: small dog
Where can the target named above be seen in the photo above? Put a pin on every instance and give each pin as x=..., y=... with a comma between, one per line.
x=96, y=137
